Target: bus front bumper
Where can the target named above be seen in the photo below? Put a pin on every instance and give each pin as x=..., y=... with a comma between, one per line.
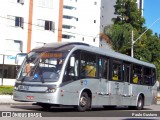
x=35, y=97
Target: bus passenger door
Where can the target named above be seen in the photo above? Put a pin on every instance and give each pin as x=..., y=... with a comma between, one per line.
x=103, y=86
x=126, y=77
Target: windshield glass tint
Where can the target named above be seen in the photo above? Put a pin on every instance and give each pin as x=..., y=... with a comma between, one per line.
x=42, y=67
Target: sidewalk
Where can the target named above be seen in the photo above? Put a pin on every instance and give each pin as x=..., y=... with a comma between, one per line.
x=8, y=99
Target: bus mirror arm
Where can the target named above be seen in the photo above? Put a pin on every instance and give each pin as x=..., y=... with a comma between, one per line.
x=17, y=67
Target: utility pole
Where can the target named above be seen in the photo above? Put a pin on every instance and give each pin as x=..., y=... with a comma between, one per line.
x=132, y=43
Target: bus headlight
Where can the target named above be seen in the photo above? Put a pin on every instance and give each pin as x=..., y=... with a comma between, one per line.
x=15, y=88
x=51, y=90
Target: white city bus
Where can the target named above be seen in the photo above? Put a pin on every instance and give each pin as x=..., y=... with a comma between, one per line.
x=84, y=76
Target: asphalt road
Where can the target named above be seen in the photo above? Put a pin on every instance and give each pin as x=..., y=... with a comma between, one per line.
x=68, y=113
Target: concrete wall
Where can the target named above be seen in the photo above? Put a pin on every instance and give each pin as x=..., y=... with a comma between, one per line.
x=7, y=82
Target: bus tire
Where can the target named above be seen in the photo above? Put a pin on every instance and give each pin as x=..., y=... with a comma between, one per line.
x=140, y=103
x=84, y=102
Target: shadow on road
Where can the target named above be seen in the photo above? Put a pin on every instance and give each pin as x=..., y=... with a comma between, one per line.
x=70, y=109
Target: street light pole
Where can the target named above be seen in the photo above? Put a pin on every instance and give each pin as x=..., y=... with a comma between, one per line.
x=133, y=41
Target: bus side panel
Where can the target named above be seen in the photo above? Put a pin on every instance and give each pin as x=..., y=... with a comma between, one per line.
x=154, y=94
x=144, y=90
x=103, y=93
x=71, y=92
x=147, y=90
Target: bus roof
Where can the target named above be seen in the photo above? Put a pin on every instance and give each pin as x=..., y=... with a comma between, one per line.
x=87, y=47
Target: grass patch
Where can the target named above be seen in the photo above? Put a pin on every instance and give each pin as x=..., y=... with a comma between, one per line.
x=6, y=90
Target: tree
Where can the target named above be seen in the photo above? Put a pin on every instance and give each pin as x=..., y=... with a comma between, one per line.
x=120, y=36
x=129, y=18
x=127, y=12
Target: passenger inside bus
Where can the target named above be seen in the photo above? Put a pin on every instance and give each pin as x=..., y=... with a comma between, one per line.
x=91, y=70
x=135, y=78
x=115, y=75
x=88, y=71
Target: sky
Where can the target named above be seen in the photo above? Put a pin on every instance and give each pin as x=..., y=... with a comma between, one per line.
x=152, y=15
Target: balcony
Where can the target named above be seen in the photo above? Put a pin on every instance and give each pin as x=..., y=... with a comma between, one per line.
x=71, y=12
x=69, y=20
x=70, y=3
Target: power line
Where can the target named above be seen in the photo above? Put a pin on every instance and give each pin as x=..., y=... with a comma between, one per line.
x=42, y=30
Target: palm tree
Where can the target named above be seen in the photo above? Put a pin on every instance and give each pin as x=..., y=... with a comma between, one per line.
x=105, y=39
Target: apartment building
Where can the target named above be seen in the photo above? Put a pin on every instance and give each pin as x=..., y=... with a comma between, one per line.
x=25, y=24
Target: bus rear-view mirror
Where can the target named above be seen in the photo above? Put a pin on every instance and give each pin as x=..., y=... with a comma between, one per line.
x=19, y=58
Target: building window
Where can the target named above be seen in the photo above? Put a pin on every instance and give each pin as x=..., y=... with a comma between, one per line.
x=46, y=3
x=14, y=45
x=20, y=1
x=8, y=71
x=95, y=3
x=15, y=21
x=68, y=27
x=46, y=25
x=69, y=7
x=67, y=36
x=140, y=4
x=94, y=21
x=17, y=1
x=49, y=25
x=68, y=17
x=76, y=19
x=19, y=21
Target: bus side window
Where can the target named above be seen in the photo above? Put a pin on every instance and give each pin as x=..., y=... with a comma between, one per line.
x=103, y=67
x=72, y=71
x=147, y=75
x=137, y=75
x=116, y=71
x=88, y=65
x=154, y=79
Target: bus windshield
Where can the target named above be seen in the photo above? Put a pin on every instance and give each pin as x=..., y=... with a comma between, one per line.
x=42, y=66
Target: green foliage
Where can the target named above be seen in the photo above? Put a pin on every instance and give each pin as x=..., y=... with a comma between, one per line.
x=147, y=47
x=120, y=36
x=127, y=12
x=6, y=90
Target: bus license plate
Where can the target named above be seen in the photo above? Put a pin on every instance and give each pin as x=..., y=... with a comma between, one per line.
x=30, y=97
x=23, y=87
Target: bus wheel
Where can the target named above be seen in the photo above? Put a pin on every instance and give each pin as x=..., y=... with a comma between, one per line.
x=84, y=102
x=140, y=103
